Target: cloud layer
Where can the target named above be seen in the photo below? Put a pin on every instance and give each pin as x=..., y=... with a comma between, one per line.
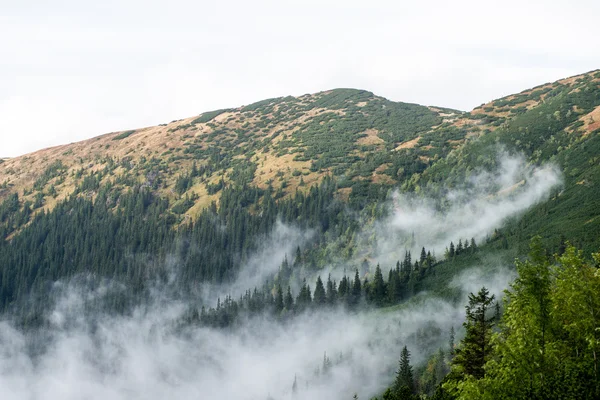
x=145, y=355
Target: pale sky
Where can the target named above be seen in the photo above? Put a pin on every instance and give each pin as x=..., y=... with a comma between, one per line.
x=74, y=69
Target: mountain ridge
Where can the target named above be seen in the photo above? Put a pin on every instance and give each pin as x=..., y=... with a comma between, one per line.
x=365, y=141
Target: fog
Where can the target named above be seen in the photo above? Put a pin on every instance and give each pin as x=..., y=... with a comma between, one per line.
x=474, y=209
x=147, y=355
x=280, y=244
x=85, y=353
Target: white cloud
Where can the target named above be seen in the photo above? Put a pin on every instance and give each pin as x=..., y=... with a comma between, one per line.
x=473, y=209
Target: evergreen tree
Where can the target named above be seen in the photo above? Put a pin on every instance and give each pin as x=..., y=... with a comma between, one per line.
x=331, y=291
x=304, y=297
x=279, y=304
x=298, y=258
x=378, y=293
x=343, y=287
x=393, y=287
x=356, y=291
x=404, y=375
x=319, y=297
x=407, y=260
x=549, y=339
x=423, y=256
x=474, y=350
x=451, y=251
x=289, y=300
x=326, y=365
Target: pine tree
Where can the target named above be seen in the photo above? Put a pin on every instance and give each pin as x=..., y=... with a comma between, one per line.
x=451, y=251
x=356, y=291
x=392, y=287
x=298, y=258
x=407, y=260
x=304, y=297
x=473, y=246
x=343, y=287
x=423, y=256
x=331, y=291
x=279, y=304
x=404, y=375
x=289, y=300
x=474, y=349
x=378, y=292
x=319, y=297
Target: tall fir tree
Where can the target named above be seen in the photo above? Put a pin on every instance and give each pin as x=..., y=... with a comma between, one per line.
x=319, y=296
x=404, y=375
x=475, y=350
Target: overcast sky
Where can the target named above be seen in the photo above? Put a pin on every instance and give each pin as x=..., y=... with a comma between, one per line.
x=73, y=69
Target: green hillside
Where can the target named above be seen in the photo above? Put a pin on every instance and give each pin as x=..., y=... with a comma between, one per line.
x=192, y=203
x=86, y=206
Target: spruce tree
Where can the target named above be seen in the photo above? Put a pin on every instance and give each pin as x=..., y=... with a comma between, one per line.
x=331, y=291
x=474, y=349
x=423, y=256
x=459, y=247
x=356, y=290
x=319, y=297
x=404, y=375
x=289, y=300
x=451, y=251
x=378, y=292
x=279, y=304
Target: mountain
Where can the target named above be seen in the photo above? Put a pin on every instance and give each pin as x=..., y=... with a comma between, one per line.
x=285, y=146
x=366, y=142
x=291, y=206
x=343, y=132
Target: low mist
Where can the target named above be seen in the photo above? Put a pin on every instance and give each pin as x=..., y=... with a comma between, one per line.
x=473, y=210
x=148, y=355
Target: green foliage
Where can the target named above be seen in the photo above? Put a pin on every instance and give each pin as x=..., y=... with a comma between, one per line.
x=548, y=339
x=52, y=171
x=404, y=375
x=123, y=135
x=209, y=116
x=475, y=350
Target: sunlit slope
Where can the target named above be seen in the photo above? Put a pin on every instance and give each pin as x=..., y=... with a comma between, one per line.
x=286, y=142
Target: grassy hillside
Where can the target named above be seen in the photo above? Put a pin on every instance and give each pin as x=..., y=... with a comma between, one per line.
x=284, y=142
x=208, y=189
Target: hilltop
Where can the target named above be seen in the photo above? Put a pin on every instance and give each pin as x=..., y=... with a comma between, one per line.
x=288, y=143
x=284, y=142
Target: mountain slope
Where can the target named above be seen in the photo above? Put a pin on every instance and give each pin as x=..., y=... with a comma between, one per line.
x=344, y=132
x=207, y=190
